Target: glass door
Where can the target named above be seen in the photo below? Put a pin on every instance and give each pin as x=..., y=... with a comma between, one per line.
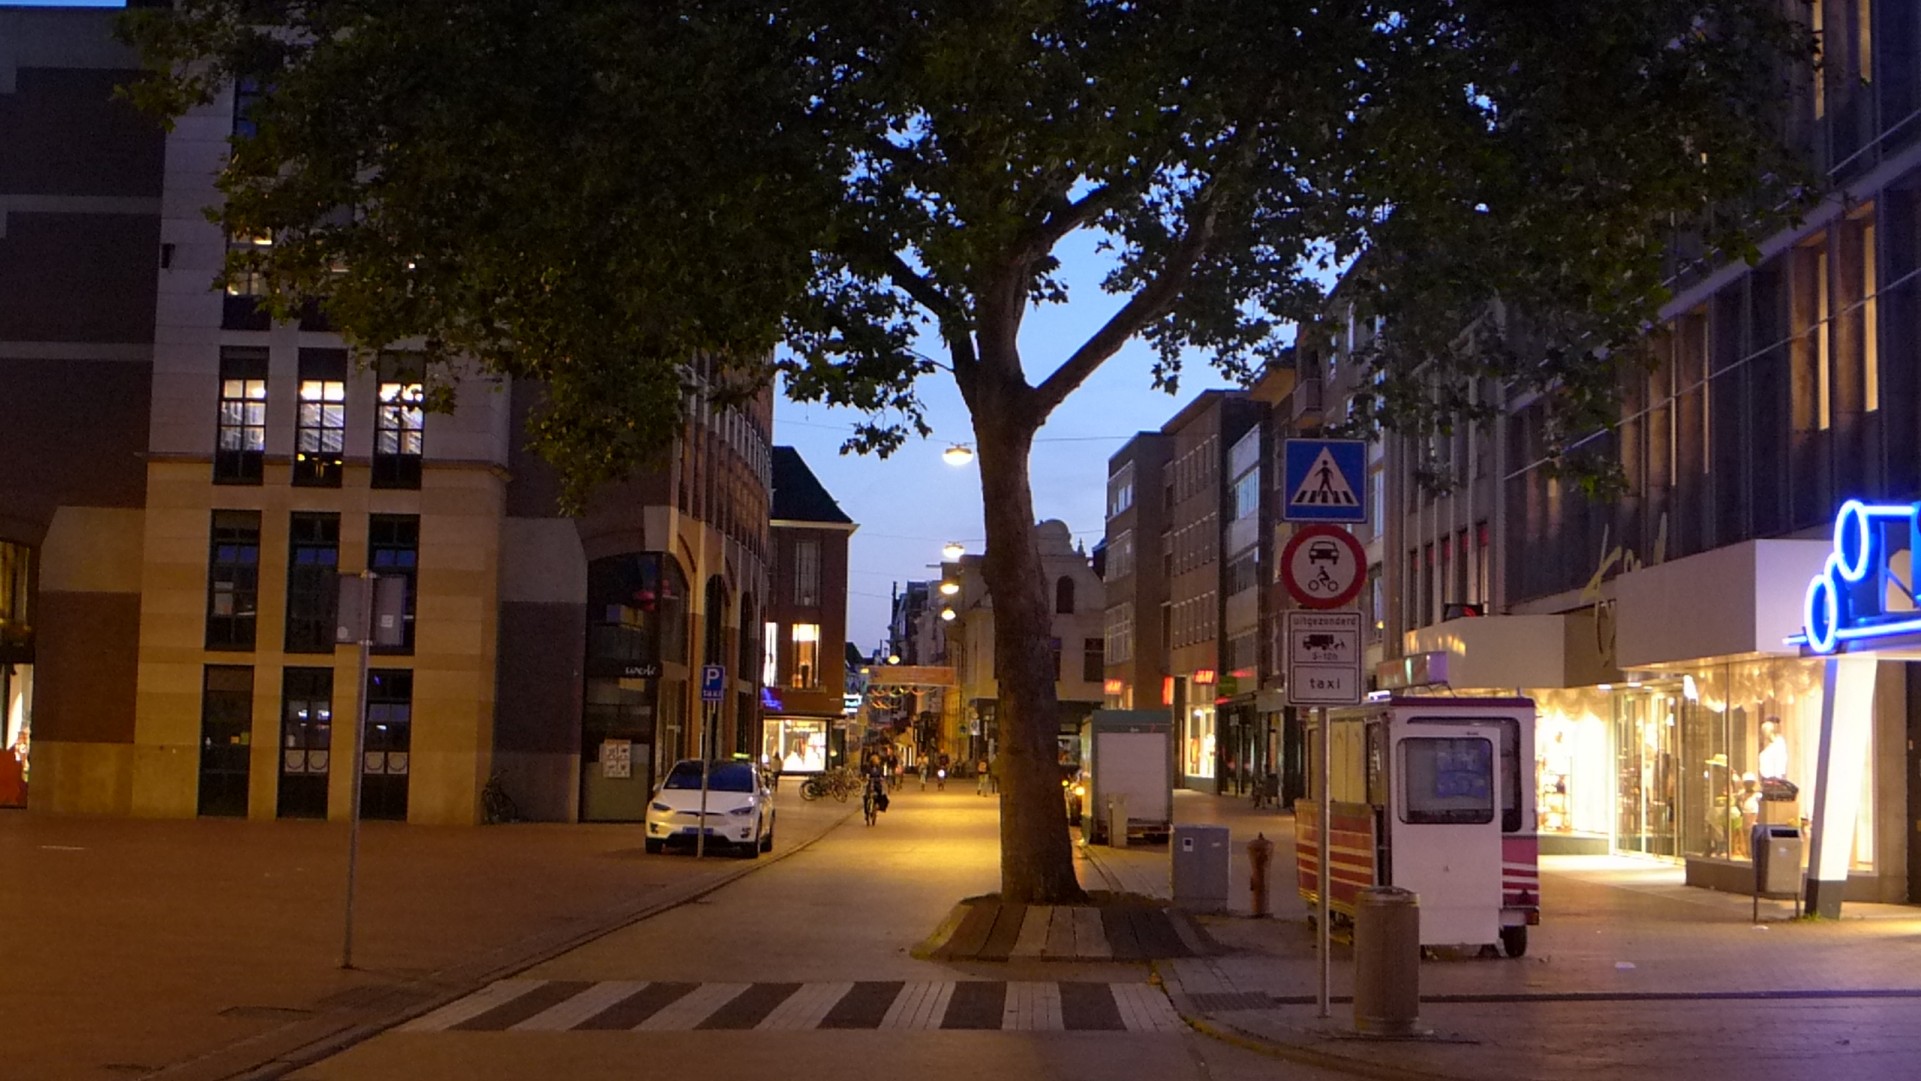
x=1647, y=727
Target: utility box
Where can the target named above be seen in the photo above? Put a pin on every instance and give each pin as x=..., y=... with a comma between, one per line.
x=1777, y=860
x=1200, y=868
x=1117, y=820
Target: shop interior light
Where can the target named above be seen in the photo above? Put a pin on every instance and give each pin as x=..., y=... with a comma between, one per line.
x=957, y=454
x=949, y=588
x=952, y=550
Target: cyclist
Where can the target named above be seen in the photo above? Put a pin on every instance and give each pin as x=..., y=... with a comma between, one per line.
x=873, y=799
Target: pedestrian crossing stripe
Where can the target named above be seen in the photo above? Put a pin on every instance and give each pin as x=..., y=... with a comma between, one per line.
x=1324, y=485
x=528, y=1005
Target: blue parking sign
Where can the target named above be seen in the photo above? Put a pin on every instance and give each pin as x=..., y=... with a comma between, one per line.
x=1325, y=481
x=713, y=678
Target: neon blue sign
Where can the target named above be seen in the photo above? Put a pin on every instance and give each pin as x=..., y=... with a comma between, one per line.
x=1849, y=601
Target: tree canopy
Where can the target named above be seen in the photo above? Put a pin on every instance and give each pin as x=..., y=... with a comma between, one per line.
x=590, y=192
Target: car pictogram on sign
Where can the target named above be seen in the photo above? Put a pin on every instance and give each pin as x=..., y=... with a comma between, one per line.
x=1323, y=552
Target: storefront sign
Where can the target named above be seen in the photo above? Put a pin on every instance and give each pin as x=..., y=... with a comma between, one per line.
x=1865, y=592
x=1204, y=676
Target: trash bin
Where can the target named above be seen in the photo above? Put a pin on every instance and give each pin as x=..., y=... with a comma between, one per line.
x=1200, y=868
x=1117, y=821
x=1777, y=860
x=1387, y=962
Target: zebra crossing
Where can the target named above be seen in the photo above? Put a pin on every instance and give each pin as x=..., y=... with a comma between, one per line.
x=528, y=1005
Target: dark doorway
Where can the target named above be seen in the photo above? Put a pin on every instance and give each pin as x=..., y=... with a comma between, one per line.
x=306, y=741
x=384, y=760
x=226, y=739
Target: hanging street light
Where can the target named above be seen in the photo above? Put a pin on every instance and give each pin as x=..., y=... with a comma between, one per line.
x=949, y=588
x=957, y=454
x=947, y=615
x=951, y=551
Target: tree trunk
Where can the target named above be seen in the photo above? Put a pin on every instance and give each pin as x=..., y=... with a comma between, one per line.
x=1037, y=857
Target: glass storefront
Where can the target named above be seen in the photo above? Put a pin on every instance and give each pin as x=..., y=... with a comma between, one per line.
x=16, y=672
x=1571, y=739
x=632, y=714
x=16, y=725
x=794, y=744
x=1198, y=756
x=1703, y=755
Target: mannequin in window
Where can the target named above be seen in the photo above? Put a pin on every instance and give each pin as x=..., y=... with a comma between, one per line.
x=1772, y=763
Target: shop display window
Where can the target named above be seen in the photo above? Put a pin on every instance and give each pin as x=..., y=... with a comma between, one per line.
x=1200, y=743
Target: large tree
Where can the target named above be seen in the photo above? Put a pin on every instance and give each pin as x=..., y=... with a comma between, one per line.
x=591, y=193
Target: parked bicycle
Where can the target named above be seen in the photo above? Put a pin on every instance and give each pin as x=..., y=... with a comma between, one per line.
x=496, y=805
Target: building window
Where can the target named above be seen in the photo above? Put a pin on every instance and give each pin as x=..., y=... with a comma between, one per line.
x=807, y=573
x=233, y=579
x=306, y=741
x=313, y=565
x=393, y=551
x=226, y=738
x=400, y=428
x=240, y=445
x=320, y=435
x=385, y=758
x=770, y=655
x=1120, y=491
x=247, y=92
x=1093, y=660
x=1064, y=596
x=806, y=656
x=246, y=283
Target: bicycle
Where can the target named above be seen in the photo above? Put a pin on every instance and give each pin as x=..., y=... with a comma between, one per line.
x=869, y=805
x=496, y=805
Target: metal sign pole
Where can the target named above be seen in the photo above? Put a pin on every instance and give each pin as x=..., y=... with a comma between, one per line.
x=1325, y=997
x=354, y=743
x=700, y=836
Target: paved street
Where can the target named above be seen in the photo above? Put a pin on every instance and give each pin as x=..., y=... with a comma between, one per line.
x=804, y=969
x=210, y=953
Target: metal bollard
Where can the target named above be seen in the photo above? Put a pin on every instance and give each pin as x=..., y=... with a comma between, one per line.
x=1259, y=852
x=1387, y=962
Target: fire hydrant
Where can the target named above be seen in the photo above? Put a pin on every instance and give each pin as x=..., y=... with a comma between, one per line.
x=1259, y=852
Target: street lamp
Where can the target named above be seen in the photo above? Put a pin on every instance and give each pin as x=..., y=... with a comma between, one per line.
x=957, y=454
x=947, y=615
x=949, y=588
x=951, y=551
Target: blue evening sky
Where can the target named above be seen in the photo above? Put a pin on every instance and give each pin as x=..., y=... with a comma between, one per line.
x=910, y=504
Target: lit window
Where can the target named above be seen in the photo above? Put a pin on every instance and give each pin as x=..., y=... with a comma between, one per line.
x=320, y=432
x=806, y=656
x=770, y=655
x=400, y=425
x=240, y=444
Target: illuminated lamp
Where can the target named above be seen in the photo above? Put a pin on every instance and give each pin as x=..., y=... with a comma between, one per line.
x=949, y=588
x=952, y=550
x=958, y=454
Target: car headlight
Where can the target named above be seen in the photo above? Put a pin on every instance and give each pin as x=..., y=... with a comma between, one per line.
x=659, y=807
x=747, y=810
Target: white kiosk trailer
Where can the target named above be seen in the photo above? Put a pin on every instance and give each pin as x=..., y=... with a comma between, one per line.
x=1428, y=796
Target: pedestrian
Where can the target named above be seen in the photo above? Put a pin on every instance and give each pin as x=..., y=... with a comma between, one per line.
x=981, y=779
x=926, y=767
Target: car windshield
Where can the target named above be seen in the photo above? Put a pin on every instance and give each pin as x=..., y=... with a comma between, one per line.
x=721, y=777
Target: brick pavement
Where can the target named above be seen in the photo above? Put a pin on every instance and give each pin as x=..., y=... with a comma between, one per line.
x=1631, y=973
x=197, y=949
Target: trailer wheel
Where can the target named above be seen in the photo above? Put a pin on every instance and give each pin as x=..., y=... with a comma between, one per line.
x=1514, y=940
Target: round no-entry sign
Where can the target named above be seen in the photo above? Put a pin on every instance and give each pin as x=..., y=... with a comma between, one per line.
x=1323, y=566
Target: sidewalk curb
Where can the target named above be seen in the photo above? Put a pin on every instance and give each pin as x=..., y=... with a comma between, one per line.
x=1235, y=1036
x=326, y=1037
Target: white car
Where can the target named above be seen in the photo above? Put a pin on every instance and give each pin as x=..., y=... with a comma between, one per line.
x=740, y=809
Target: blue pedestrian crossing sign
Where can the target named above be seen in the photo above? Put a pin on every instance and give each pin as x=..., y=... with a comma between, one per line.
x=1325, y=480
x=713, y=680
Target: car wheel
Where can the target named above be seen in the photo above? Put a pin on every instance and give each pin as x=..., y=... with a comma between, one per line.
x=767, y=839
x=751, y=850
x=652, y=847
